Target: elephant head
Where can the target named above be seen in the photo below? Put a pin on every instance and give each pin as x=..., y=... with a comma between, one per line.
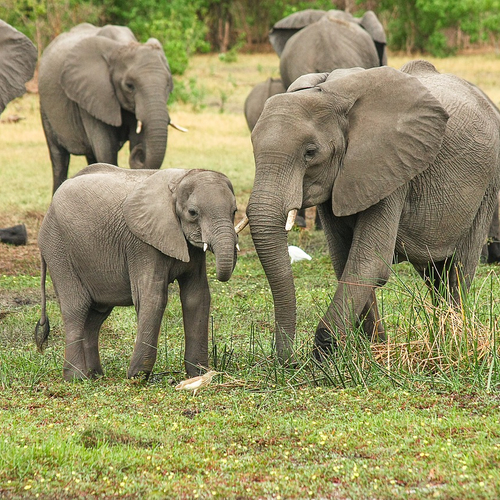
x=115, y=83
x=18, y=58
x=200, y=211
x=348, y=139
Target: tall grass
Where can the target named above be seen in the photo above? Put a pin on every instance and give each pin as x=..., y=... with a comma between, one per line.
x=408, y=418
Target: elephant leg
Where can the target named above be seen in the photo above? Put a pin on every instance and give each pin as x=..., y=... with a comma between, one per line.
x=74, y=318
x=103, y=140
x=468, y=252
x=195, y=300
x=150, y=303
x=369, y=240
x=59, y=157
x=437, y=279
x=370, y=319
x=93, y=324
x=91, y=159
x=300, y=220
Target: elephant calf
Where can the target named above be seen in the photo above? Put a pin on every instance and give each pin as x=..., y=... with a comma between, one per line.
x=118, y=237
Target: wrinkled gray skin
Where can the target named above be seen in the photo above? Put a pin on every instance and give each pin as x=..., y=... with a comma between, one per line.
x=18, y=58
x=403, y=162
x=95, y=84
x=118, y=237
x=315, y=41
x=254, y=103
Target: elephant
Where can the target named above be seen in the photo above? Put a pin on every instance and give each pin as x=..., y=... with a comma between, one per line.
x=491, y=250
x=254, y=103
x=100, y=88
x=118, y=237
x=315, y=41
x=18, y=58
x=403, y=162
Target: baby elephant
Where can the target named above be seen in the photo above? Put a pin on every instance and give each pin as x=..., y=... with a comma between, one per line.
x=118, y=237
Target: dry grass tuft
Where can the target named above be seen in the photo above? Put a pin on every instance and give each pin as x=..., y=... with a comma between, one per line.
x=442, y=340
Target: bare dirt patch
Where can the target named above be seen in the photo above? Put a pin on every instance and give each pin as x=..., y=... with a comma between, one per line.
x=23, y=259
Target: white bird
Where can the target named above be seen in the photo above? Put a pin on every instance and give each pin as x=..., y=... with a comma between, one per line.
x=297, y=254
x=195, y=383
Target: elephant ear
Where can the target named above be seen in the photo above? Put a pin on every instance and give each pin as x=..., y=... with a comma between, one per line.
x=395, y=130
x=374, y=28
x=86, y=79
x=18, y=58
x=288, y=26
x=312, y=80
x=149, y=212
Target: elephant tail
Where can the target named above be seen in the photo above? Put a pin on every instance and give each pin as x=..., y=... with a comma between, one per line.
x=42, y=328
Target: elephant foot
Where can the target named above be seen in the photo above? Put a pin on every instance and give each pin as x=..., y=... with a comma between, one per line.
x=324, y=344
x=139, y=373
x=95, y=373
x=72, y=374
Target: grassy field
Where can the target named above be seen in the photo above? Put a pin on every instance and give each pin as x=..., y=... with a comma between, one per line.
x=414, y=418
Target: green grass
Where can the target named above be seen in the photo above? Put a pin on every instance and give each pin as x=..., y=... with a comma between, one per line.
x=414, y=418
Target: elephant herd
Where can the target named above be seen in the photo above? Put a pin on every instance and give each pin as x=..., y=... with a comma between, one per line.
x=400, y=164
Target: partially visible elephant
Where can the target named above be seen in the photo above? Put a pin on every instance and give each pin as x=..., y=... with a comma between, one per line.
x=491, y=250
x=404, y=162
x=18, y=58
x=315, y=41
x=118, y=237
x=254, y=103
x=100, y=88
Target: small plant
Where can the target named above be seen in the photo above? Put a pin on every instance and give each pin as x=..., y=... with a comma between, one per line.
x=189, y=92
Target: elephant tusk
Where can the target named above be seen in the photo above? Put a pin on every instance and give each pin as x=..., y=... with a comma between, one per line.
x=178, y=127
x=237, y=247
x=290, y=221
x=139, y=127
x=205, y=246
x=241, y=225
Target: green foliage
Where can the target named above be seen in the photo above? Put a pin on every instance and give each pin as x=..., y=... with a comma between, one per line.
x=43, y=20
x=433, y=26
x=189, y=91
x=176, y=24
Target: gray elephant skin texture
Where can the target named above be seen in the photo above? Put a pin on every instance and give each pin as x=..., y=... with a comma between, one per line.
x=100, y=88
x=18, y=58
x=397, y=161
x=315, y=41
x=118, y=237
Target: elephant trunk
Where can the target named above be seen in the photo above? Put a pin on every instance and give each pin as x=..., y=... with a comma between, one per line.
x=152, y=127
x=267, y=225
x=224, y=248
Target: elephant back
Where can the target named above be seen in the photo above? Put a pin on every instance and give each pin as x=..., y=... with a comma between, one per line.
x=329, y=44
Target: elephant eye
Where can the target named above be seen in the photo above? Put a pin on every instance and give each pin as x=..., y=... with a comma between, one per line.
x=129, y=86
x=310, y=153
x=193, y=212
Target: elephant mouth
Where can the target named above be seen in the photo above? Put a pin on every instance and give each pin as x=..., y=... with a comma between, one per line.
x=200, y=244
x=137, y=157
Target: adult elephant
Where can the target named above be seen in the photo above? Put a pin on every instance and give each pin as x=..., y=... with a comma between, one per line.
x=254, y=103
x=18, y=58
x=98, y=89
x=315, y=41
x=403, y=162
